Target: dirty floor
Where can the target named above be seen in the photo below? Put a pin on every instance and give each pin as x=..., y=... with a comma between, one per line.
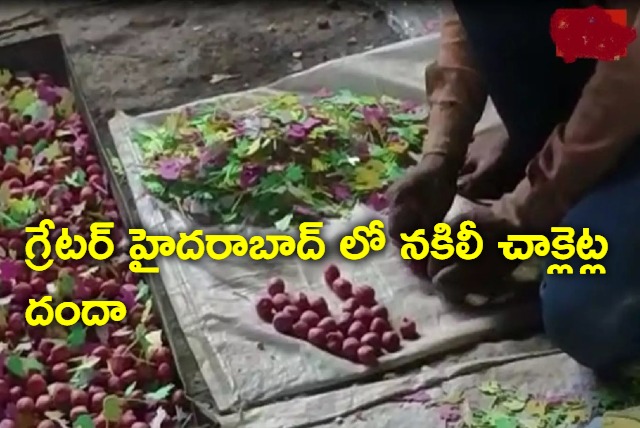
x=158, y=54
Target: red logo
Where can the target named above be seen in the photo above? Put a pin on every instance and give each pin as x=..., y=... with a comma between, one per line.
x=591, y=32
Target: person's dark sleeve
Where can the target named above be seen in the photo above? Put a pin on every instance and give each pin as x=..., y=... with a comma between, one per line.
x=455, y=91
x=603, y=125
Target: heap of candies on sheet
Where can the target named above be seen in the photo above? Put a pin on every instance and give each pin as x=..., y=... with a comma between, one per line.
x=120, y=374
x=290, y=159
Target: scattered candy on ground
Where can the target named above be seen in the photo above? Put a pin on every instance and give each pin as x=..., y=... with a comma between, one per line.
x=503, y=407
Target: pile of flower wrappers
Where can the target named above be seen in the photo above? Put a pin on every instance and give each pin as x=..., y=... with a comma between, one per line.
x=287, y=161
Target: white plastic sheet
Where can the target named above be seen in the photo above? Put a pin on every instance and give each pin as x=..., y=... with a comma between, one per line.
x=243, y=361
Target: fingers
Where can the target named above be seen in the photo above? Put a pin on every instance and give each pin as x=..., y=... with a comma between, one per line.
x=470, y=175
x=405, y=189
x=457, y=283
x=454, y=283
x=470, y=165
x=400, y=193
x=475, y=187
x=480, y=184
x=403, y=219
x=435, y=266
x=466, y=183
x=418, y=268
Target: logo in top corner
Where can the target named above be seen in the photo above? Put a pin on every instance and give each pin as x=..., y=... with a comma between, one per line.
x=592, y=32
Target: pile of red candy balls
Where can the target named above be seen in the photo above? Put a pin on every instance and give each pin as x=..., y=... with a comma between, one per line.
x=361, y=332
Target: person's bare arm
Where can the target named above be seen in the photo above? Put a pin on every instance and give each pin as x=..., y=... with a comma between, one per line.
x=602, y=127
x=455, y=91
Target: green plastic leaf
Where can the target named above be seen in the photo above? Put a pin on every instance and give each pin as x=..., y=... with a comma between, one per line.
x=82, y=378
x=66, y=106
x=15, y=366
x=160, y=393
x=64, y=286
x=39, y=111
x=22, y=209
x=253, y=148
x=83, y=421
x=141, y=338
x=490, y=388
x=112, y=408
x=21, y=366
x=77, y=336
x=77, y=178
x=294, y=173
x=455, y=397
x=51, y=151
x=11, y=154
x=23, y=99
x=155, y=187
x=175, y=121
x=31, y=364
x=39, y=146
x=143, y=291
x=130, y=389
x=116, y=166
x=83, y=373
x=580, y=415
x=5, y=77
x=504, y=421
x=284, y=223
x=514, y=405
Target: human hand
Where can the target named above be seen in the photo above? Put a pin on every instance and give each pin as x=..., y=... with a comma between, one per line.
x=488, y=172
x=421, y=198
x=455, y=279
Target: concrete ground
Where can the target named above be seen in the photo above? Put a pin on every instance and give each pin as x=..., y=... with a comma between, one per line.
x=149, y=55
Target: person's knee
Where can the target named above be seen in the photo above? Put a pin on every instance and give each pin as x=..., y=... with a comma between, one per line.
x=596, y=318
x=565, y=322
x=596, y=322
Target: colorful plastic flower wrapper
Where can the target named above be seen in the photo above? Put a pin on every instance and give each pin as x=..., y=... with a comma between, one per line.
x=81, y=144
x=450, y=413
x=47, y=93
x=374, y=114
x=216, y=156
x=296, y=131
x=311, y=123
x=171, y=168
x=251, y=174
x=128, y=298
x=378, y=201
x=306, y=211
x=9, y=270
x=341, y=192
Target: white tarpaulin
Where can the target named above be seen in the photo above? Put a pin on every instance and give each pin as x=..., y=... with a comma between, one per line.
x=244, y=362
